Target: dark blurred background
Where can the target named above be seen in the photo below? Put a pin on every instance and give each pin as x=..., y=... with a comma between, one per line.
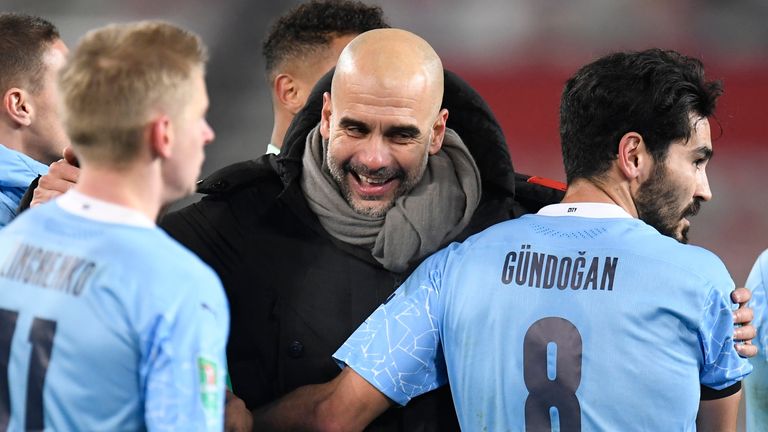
x=517, y=53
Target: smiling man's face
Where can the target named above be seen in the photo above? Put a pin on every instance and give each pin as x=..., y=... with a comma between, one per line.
x=379, y=138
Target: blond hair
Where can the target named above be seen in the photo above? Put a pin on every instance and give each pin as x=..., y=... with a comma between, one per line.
x=116, y=79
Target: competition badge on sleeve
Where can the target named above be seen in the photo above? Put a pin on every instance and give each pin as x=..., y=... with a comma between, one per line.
x=210, y=393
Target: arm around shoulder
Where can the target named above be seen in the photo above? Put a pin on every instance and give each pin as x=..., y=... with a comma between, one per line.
x=346, y=403
x=719, y=415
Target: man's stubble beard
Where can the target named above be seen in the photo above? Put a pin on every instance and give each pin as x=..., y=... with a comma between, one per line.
x=339, y=172
x=658, y=202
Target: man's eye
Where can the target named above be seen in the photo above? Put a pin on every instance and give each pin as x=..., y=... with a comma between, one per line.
x=354, y=130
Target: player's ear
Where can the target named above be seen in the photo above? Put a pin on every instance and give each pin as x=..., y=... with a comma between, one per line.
x=325, y=116
x=286, y=91
x=17, y=104
x=633, y=159
x=161, y=136
x=438, y=132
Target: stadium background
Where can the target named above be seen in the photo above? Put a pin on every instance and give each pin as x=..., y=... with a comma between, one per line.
x=517, y=53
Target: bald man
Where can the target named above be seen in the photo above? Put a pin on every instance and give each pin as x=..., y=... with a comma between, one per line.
x=310, y=243
x=381, y=127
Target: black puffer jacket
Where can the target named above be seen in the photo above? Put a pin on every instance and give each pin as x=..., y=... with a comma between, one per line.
x=295, y=292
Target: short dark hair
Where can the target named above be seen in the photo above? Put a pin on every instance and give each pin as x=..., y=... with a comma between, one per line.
x=653, y=92
x=312, y=26
x=23, y=42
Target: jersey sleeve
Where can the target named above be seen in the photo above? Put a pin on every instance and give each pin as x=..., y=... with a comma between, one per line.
x=397, y=349
x=759, y=303
x=7, y=212
x=722, y=366
x=756, y=386
x=184, y=363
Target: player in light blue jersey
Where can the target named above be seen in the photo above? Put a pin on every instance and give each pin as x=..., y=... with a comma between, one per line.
x=586, y=316
x=558, y=310
x=106, y=323
x=31, y=134
x=757, y=384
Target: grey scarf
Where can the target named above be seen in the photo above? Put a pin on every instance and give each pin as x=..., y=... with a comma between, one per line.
x=435, y=211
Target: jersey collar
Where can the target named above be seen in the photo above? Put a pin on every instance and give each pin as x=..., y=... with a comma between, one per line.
x=588, y=210
x=18, y=169
x=91, y=208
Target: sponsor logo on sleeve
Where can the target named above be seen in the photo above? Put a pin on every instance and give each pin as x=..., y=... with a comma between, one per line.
x=210, y=386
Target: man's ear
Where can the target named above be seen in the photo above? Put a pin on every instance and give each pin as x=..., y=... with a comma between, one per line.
x=634, y=159
x=161, y=136
x=286, y=90
x=325, y=116
x=17, y=103
x=438, y=132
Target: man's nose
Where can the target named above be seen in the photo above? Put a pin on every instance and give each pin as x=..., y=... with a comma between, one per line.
x=702, y=187
x=375, y=153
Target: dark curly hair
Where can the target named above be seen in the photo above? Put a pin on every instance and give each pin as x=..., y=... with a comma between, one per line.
x=652, y=92
x=311, y=26
x=23, y=42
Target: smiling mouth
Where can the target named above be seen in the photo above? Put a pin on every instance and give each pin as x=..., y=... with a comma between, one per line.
x=372, y=188
x=372, y=180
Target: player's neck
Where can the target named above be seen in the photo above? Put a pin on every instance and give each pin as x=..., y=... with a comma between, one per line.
x=11, y=139
x=600, y=191
x=282, y=121
x=128, y=188
x=19, y=140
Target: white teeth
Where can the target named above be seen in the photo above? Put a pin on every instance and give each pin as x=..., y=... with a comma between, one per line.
x=372, y=180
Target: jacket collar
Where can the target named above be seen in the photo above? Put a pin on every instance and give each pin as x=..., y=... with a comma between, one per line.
x=470, y=117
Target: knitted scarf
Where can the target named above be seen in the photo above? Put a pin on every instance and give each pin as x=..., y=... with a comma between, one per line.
x=435, y=211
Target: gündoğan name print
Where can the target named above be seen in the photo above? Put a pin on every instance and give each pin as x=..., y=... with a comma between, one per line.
x=526, y=267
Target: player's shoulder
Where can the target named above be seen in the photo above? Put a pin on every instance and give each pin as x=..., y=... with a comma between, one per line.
x=169, y=257
x=145, y=254
x=756, y=282
x=7, y=212
x=687, y=258
x=758, y=276
x=481, y=242
x=762, y=262
x=167, y=272
x=7, y=209
x=33, y=220
x=499, y=233
x=501, y=229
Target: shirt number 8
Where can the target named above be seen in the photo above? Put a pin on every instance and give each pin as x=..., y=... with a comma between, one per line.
x=549, y=340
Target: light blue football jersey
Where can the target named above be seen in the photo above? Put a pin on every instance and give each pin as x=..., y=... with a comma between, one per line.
x=107, y=324
x=558, y=320
x=17, y=171
x=756, y=386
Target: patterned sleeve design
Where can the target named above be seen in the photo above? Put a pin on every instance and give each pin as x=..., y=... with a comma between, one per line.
x=397, y=349
x=756, y=385
x=185, y=365
x=722, y=366
x=759, y=303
